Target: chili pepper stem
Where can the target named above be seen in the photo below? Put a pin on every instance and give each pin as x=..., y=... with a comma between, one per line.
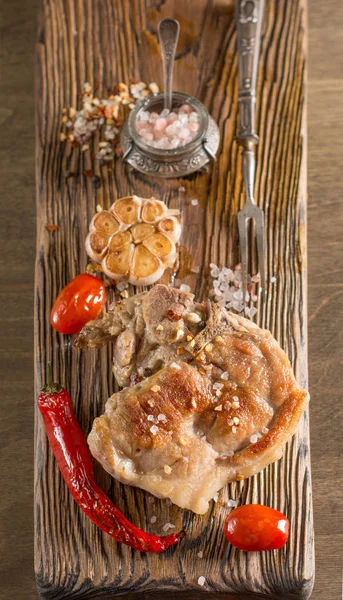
x=51, y=387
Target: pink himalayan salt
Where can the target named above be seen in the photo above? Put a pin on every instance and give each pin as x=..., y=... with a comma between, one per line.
x=168, y=130
x=160, y=124
x=194, y=126
x=148, y=136
x=185, y=108
x=183, y=133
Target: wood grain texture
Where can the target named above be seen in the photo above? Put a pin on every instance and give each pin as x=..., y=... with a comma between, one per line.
x=112, y=41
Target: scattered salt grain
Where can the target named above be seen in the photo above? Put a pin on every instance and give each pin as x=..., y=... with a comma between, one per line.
x=227, y=289
x=153, y=519
x=195, y=202
x=155, y=388
x=215, y=497
x=184, y=288
x=256, y=278
x=219, y=408
x=174, y=365
x=265, y=430
x=122, y=285
x=151, y=418
x=161, y=417
x=217, y=385
x=168, y=526
x=232, y=503
x=201, y=580
x=200, y=554
x=272, y=279
x=253, y=439
x=154, y=429
x=167, y=469
x=224, y=376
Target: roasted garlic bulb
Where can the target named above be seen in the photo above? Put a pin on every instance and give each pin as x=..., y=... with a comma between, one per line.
x=134, y=240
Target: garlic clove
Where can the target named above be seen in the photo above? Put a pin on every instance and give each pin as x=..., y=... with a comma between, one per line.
x=105, y=222
x=162, y=247
x=96, y=245
x=141, y=231
x=120, y=239
x=117, y=263
x=127, y=209
x=145, y=268
x=153, y=210
x=171, y=227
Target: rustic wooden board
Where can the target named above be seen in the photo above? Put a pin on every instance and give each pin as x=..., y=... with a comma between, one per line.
x=109, y=41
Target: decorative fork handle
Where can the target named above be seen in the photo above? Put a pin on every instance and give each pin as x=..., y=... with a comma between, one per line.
x=249, y=24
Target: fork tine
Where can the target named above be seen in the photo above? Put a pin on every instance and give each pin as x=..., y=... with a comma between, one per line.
x=243, y=246
x=259, y=222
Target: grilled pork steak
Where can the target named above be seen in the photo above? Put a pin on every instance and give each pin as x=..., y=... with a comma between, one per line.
x=219, y=404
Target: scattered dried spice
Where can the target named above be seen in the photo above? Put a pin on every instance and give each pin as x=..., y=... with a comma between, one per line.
x=96, y=181
x=51, y=228
x=172, y=315
x=105, y=115
x=93, y=268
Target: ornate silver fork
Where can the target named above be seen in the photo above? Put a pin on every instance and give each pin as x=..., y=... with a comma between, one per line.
x=249, y=14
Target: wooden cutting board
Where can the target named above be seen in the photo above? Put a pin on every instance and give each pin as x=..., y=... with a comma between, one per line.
x=108, y=41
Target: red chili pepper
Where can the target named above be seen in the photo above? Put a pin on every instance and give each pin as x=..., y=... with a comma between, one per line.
x=73, y=457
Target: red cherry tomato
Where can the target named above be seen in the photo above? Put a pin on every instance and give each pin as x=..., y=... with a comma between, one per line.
x=79, y=302
x=254, y=527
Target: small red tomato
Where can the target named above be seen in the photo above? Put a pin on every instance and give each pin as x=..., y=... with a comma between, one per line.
x=255, y=527
x=79, y=302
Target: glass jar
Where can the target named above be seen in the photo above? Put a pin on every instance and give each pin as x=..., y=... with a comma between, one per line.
x=176, y=162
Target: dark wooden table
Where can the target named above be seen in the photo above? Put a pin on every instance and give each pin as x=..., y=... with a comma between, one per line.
x=325, y=216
